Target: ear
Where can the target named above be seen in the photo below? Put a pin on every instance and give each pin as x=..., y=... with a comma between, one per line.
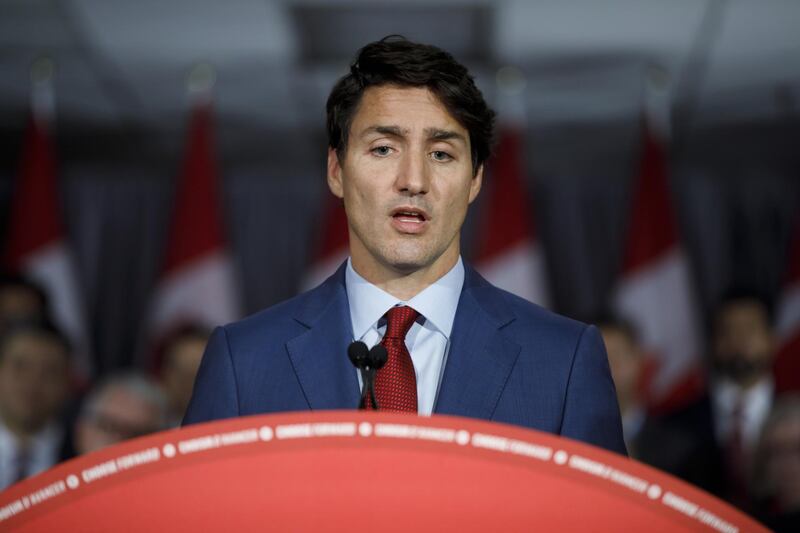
x=335, y=174
x=475, y=185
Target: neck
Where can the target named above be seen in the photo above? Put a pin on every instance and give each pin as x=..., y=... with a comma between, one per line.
x=406, y=287
x=405, y=284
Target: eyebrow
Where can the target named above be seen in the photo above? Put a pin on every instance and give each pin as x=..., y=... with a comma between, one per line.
x=444, y=135
x=394, y=131
x=434, y=134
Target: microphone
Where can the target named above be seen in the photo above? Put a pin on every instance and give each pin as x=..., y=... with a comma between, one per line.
x=358, y=354
x=368, y=362
x=377, y=356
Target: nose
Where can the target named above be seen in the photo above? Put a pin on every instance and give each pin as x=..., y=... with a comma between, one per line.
x=412, y=174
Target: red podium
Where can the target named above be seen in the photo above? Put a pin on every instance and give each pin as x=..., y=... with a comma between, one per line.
x=352, y=470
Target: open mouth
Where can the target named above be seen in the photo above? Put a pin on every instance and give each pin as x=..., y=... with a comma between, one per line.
x=410, y=220
x=409, y=215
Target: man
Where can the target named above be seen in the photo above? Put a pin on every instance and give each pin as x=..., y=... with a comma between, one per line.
x=34, y=386
x=713, y=438
x=408, y=136
x=122, y=407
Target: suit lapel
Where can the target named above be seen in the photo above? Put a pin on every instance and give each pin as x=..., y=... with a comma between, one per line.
x=319, y=356
x=480, y=358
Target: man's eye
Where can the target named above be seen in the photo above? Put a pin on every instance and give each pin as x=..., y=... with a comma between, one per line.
x=382, y=151
x=438, y=155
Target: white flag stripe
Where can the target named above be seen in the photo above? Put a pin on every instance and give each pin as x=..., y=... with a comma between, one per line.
x=323, y=269
x=51, y=266
x=203, y=291
x=520, y=270
x=657, y=300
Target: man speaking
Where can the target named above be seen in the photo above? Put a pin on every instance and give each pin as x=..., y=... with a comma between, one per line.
x=408, y=136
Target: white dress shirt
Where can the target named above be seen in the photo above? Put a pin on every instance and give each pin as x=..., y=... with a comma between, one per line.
x=43, y=452
x=756, y=403
x=428, y=340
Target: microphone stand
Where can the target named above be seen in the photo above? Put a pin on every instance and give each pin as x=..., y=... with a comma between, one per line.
x=368, y=376
x=368, y=362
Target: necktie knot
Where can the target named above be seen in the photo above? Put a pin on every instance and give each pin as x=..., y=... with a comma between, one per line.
x=398, y=321
x=396, y=382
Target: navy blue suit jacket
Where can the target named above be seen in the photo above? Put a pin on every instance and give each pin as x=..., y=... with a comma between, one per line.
x=509, y=361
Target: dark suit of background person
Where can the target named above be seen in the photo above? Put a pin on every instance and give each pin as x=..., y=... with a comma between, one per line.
x=408, y=134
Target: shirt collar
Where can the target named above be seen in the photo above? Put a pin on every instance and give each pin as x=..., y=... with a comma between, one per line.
x=39, y=442
x=726, y=394
x=437, y=302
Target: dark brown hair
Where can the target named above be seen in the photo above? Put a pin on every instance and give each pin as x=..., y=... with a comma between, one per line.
x=395, y=60
x=37, y=327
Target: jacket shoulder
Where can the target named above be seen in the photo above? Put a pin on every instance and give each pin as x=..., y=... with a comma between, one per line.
x=526, y=319
x=292, y=316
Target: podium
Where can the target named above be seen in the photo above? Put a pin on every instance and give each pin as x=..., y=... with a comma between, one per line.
x=355, y=470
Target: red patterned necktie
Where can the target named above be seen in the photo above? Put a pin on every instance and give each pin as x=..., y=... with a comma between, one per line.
x=396, y=383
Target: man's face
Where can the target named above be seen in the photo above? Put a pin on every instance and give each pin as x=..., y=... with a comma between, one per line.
x=34, y=380
x=743, y=342
x=406, y=179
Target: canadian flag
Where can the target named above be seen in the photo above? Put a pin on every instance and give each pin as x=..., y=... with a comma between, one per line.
x=508, y=254
x=332, y=248
x=37, y=244
x=197, y=284
x=787, y=362
x=655, y=290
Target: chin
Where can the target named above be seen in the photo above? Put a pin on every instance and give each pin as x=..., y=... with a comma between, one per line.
x=405, y=265
x=402, y=257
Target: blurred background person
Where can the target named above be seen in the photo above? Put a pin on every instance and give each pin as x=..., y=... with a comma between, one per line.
x=20, y=299
x=34, y=389
x=777, y=466
x=121, y=407
x=742, y=386
x=182, y=353
x=647, y=439
x=711, y=441
x=626, y=362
